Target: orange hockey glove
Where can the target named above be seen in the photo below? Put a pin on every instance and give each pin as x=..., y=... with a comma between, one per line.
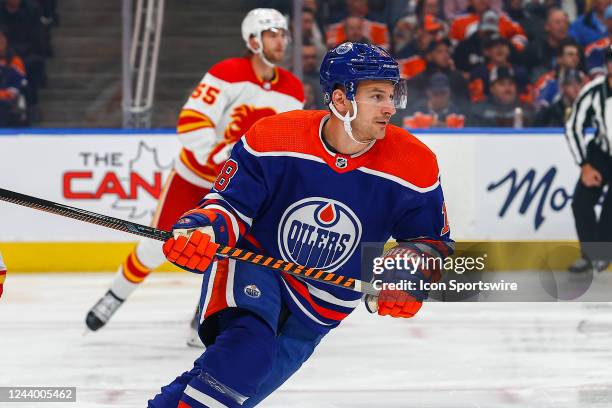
x=396, y=303
x=193, y=246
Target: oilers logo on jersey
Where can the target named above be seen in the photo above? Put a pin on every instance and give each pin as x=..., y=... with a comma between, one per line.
x=319, y=232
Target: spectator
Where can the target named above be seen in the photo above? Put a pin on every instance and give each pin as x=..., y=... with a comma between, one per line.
x=432, y=7
x=311, y=32
x=529, y=14
x=23, y=29
x=359, y=8
x=410, y=57
x=357, y=11
x=589, y=27
x=496, y=51
x=541, y=53
x=556, y=114
x=311, y=35
x=403, y=33
x=502, y=108
x=13, y=86
x=310, y=70
x=454, y=8
x=595, y=52
x=438, y=59
x=469, y=52
x=479, y=13
x=546, y=88
x=8, y=56
x=438, y=110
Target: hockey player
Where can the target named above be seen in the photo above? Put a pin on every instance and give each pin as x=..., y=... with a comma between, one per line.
x=2, y=274
x=308, y=187
x=233, y=95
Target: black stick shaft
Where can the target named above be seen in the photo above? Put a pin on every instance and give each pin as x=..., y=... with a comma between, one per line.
x=153, y=233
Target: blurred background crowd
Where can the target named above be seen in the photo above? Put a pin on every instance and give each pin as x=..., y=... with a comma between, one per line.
x=488, y=63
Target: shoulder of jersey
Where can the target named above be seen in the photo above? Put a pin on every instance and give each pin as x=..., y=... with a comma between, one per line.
x=233, y=70
x=401, y=155
x=286, y=132
x=596, y=45
x=289, y=84
x=463, y=17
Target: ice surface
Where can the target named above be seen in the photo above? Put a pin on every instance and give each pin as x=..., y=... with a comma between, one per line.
x=451, y=355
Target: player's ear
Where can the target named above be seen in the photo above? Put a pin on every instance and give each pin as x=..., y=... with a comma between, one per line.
x=341, y=103
x=254, y=43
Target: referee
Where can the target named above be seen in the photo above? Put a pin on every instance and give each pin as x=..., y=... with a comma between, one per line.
x=593, y=107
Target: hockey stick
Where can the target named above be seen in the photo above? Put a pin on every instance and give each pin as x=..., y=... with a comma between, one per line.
x=153, y=233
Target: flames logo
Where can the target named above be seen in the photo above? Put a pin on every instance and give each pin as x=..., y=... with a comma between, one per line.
x=319, y=232
x=243, y=117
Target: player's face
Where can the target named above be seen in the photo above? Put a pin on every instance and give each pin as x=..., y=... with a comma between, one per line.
x=274, y=45
x=375, y=107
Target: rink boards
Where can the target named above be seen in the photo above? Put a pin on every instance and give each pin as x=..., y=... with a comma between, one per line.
x=500, y=185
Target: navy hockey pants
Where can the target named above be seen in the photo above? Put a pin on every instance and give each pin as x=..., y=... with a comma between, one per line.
x=245, y=364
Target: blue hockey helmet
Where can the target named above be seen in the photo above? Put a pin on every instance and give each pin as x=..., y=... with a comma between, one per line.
x=351, y=62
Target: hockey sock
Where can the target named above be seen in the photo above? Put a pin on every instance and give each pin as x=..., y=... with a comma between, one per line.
x=146, y=257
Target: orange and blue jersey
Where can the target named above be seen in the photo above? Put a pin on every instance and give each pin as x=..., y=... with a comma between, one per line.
x=377, y=33
x=284, y=193
x=595, y=55
x=464, y=25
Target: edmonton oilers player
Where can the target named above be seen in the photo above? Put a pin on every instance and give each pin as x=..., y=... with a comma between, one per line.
x=308, y=187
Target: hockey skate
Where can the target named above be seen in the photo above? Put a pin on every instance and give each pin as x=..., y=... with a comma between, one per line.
x=102, y=311
x=194, y=338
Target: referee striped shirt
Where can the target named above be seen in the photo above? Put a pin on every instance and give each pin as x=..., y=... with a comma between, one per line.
x=592, y=107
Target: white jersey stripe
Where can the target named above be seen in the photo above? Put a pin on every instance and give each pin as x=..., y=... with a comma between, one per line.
x=363, y=169
x=229, y=289
x=400, y=180
x=217, y=196
x=329, y=298
x=209, y=289
x=280, y=154
x=202, y=398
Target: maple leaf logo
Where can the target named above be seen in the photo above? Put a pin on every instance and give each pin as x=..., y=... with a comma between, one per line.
x=146, y=164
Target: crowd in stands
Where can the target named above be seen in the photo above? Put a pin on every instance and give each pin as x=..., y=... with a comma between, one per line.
x=25, y=44
x=497, y=63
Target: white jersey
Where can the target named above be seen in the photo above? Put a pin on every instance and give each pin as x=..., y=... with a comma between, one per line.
x=227, y=102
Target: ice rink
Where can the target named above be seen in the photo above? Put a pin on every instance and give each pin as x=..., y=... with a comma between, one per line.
x=452, y=355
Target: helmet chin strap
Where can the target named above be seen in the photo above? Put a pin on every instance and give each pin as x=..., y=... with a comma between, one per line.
x=260, y=51
x=347, y=119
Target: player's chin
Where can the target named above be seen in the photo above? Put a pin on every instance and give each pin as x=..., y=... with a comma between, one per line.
x=378, y=133
x=275, y=57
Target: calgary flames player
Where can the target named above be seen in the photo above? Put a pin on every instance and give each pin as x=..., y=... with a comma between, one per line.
x=232, y=96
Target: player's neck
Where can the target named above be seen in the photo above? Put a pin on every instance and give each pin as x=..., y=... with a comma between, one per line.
x=262, y=70
x=335, y=135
